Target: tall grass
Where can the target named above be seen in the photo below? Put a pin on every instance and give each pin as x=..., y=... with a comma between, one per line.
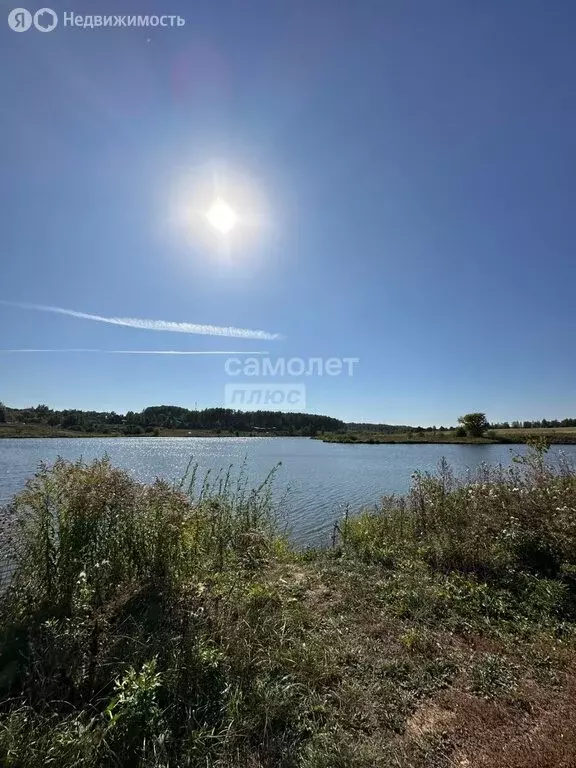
x=93, y=529
x=494, y=522
x=160, y=626
x=136, y=629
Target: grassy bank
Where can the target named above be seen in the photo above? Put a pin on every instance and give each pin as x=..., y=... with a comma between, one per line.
x=375, y=438
x=158, y=626
x=36, y=430
x=559, y=436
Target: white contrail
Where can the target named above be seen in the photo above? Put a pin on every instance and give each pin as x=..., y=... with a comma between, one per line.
x=154, y=325
x=135, y=351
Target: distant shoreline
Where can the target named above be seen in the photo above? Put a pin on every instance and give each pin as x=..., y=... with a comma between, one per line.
x=520, y=436
x=26, y=431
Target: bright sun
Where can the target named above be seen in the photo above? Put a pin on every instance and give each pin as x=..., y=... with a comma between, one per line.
x=222, y=217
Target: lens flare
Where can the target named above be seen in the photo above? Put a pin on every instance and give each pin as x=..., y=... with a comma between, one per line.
x=222, y=217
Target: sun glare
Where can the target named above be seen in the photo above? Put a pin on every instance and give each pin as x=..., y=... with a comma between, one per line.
x=222, y=217
x=220, y=212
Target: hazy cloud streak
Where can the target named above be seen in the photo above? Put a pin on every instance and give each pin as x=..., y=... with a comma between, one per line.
x=154, y=325
x=134, y=351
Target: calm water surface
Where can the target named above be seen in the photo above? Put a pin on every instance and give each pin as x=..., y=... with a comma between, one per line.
x=321, y=478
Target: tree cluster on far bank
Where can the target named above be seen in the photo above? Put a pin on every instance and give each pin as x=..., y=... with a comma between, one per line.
x=173, y=417
x=474, y=424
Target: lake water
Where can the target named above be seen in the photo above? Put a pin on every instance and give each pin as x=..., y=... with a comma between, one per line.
x=320, y=478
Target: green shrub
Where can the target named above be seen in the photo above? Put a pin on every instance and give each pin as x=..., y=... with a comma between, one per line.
x=495, y=523
x=136, y=631
x=493, y=675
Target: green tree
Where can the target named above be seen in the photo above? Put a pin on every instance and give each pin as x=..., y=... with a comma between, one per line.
x=2, y=413
x=475, y=424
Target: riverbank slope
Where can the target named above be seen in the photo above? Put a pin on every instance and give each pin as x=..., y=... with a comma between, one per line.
x=146, y=627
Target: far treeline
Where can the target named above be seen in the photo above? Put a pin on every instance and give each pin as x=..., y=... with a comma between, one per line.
x=163, y=419
x=401, y=429
x=472, y=428
x=171, y=417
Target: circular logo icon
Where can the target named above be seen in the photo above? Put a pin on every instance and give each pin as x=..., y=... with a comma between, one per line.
x=45, y=20
x=19, y=19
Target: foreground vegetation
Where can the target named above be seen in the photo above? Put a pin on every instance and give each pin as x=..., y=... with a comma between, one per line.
x=158, y=626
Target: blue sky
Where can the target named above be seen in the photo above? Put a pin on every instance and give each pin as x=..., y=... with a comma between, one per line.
x=408, y=171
